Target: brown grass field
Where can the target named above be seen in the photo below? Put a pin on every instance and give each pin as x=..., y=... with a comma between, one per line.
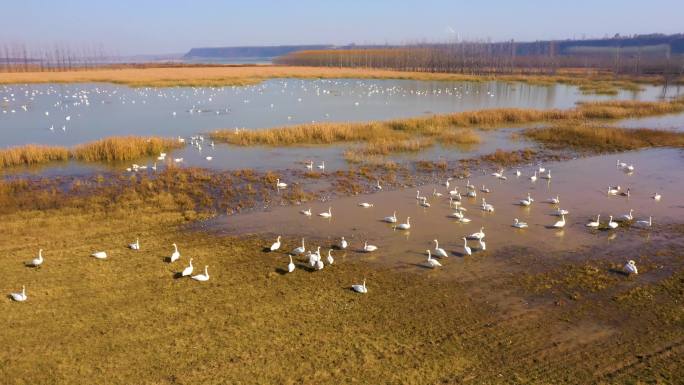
x=604, y=139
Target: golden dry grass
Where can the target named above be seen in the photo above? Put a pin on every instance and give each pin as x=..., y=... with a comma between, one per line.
x=32, y=154
x=604, y=139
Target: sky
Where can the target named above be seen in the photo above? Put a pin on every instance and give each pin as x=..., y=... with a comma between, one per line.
x=128, y=27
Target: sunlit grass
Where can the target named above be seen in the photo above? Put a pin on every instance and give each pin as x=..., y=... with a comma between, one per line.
x=32, y=154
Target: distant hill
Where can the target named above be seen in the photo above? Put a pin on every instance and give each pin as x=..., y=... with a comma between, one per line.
x=249, y=51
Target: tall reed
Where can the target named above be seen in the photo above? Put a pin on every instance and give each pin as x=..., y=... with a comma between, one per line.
x=32, y=154
x=123, y=148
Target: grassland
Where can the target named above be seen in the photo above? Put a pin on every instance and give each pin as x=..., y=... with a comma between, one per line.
x=604, y=139
x=210, y=76
x=31, y=155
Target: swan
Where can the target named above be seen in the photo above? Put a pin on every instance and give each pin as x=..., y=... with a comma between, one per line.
x=188, y=270
x=526, y=202
x=625, y=194
x=554, y=201
x=154, y=166
x=435, y=193
x=319, y=264
x=330, y=258
x=313, y=257
x=559, y=211
x=619, y=164
x=20, y=297
x=366, y=205
x=484, y=189
x=391, y=219
x=290, y=266
x=446, y=184
x=657, y=196
x=135, y=245
x=518, y=224
x=486, y=206
x=612, y=190
x=483, y=245
x=627, y=217
x=175, y=255
x=424, y=202
x=418, y=197
x=280, y=184
x=466, y=249
x=594, y=224
x=202, y=277
x=321, y=166
x=541, y=168
x=534, y=177
x=456, y=214
x=469, y=186
x=644, y=223
x=360, y=288
x=630, y=268
x=478, y=235
x=518, y=173
x=377, y=185
x=629, y=168
x=464, y=220
x=471, y=194
x=37, y=261
x=453, y=192
x=276, y=245
x=498, y=174
x=306, y=212
x=369, y=248
x=310, y=165
x=326, y=214
x=611, y=223
x=431, y=261
x=177, y=160
x=299, y=250
x=560, y=224
x=405, y=226
x=439, y=251
x=99, y=255
x=343, y=243
x=548, y=175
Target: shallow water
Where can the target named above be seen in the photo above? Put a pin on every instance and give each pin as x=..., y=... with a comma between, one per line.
x=581, y=185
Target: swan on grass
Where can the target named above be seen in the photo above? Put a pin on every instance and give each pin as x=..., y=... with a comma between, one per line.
x=440, y=252
x=431, y=261
x=20, y=297
x=299, y=250
x=483, y=245
x=596, y=223
x=37, y=261
x=466, y=248
x=188, y=270
x=360, y=288
x=135, y=245
x=99, y=255
x=276, y=245
x=175, y=255
x=291, y=265
x=330, y=258
x=202, y=277
x=630, y=268
x=369, y=248
x=391, y=219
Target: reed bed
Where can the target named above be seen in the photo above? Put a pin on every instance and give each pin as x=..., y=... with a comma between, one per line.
x=604, y=139
x=32, y=154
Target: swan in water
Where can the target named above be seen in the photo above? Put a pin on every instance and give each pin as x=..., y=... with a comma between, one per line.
x=439, y=251
x=627, y=217
x=619, y=164
x=188, y=270
x=453, y=193
x=330, y=258
x=366, y=205
x=464, y=220
x=276, y=245
x=541, y=168
x=612, y=190
x=418, y=196
x=554, y=201
x=391, y=219
x=498, y=174
x=321, y=166
x=369, y=248
x=486, y=206
x=99, y=255
x=310, y=165
x=280, y=184
x=175, y=255
x=534, y=177
x=469, y=186
x=291, y=265
x=306, y=212
x=657, y=196
x=626, y=193
x=456, y=214
x=483, y=245
x=202, y=277
x=526, y=202
x=644, y=223
x=478, y=235
x=466, y=248
x=471, y=194
x=424, y=202
x=299, y=250
x=560, y=224
x=135, y=245
x=630, y=268
x=377, y=185
x=20, y=297
x=404, y=226
x=446, y=184
x=547, y=175
x=435, y=193
x=431, y=261
x=594, y=224
x=37, y=261
x=629, y=168
x=360, y=288
x=518, y=173
x=484, y=189
x=559, y=211
x=343, y=243
x=518, y=224
x=611, y=223
x=326, y=214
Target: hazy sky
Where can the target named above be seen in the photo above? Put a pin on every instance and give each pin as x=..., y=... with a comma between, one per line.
x=174, y=26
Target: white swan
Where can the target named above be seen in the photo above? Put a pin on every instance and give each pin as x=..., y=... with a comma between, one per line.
x=424, y=202
x=175, y=255
x=369, y=248
x=418, y=196
x=466, y=249
x=559, y=211
x=469, y=186
x=404, y=226
x=343, y=243
x=99, y=255
x=561, y=223
x=188, y=270
x=280, y=184
x=484, y=189
x=322, y=165
x=202, y=277
x=306, y=212
x=431, y=261
x=644, y=223
x=611, y=223
x=377, y=185
x=518, y=173
x=313, y=257
x=486, y=206
x=276, y=245
x=135, y=245
x=366, y=205
x=518, y=224
x=657, y=196
x=619, y=164
x=360, y=288
x=299, y=250
x=471, y=194
x=554, y=201
x=439, y=251
x=527, y=201
x=613, y=190
x=456, y=214
x=37, y=261
x=627, y=217
x=483, y=245
x=534, y=177
x=319, y=264
x=310, y=165
x=464, y=220
x=594, y=224
x=541, y=168
x=391, y=219
x=20, y=297
x=446, y=183
x=478, y=235
x=290, y=266
x=326, y=214
x=330, y=258
x=630, y=268
x=435, y=193
x=548, y=175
